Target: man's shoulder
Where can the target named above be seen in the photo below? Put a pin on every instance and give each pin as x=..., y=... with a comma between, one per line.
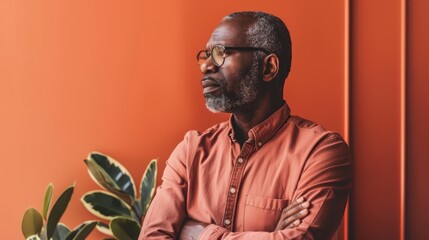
x=303, y=123
x=311, y=130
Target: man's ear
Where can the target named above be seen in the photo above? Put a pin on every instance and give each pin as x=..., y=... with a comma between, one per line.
x=270, y=67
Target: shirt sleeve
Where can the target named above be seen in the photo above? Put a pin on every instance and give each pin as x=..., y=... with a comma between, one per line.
x=325, y=181
x=167, y=211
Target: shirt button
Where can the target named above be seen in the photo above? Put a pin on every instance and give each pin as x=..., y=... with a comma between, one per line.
x=232, y=190
x=259, y=144
x=227, y=222
x=240, y=160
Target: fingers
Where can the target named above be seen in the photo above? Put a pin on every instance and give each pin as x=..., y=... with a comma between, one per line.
x=295, y=219
x=293, y=214
x=295, y=208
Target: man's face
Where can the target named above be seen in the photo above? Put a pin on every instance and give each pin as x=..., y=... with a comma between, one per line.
x=236, y=85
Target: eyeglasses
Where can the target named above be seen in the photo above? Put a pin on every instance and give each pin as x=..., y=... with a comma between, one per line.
x=218, y=53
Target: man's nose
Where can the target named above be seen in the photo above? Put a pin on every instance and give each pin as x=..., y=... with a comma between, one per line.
x=208, y=66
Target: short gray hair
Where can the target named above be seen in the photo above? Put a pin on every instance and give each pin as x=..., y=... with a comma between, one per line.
x=269, y=32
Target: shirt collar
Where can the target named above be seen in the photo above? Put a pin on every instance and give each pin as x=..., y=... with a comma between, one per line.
x=262, y=132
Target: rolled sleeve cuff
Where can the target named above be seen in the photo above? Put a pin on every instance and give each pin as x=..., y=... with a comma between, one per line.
x=212, y=232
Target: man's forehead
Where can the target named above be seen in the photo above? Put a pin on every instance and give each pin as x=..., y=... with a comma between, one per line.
x=229, y=33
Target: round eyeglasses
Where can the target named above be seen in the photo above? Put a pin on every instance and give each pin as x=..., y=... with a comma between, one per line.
x=218, y=53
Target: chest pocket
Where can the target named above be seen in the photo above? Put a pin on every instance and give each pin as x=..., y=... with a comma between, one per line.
x=261, y=213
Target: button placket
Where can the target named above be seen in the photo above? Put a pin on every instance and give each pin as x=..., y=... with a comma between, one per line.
x=234, y=186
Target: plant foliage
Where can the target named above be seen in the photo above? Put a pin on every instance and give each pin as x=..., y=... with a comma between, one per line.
x=36, y=226
x=120, y=205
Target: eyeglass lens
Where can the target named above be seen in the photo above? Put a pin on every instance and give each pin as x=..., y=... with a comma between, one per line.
x=217, y=53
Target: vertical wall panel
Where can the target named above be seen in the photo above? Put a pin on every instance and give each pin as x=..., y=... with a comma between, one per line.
x=376, y=119
x=418, y=120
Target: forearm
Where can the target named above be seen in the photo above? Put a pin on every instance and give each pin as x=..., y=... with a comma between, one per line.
x=291, y=217
x=167, y=211
x=213, y=232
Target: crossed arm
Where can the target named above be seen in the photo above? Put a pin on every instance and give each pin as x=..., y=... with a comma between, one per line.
x=291, y=217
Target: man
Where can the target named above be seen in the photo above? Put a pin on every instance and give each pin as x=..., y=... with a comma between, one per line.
x=247, y=178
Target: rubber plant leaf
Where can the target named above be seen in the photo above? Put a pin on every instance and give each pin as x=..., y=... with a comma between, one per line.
x=61, y=232
x=105, y=205
x=32, y=223
x=103, y=179
x=147, y=185
x=58, y=210
x=117, y=173
x=104, y=228
x=125, y=228
x=47, y=200
x=34, y=237
x=82, y=231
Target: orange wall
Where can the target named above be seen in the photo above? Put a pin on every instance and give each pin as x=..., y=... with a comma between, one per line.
x=389, y=103
x=121, y=78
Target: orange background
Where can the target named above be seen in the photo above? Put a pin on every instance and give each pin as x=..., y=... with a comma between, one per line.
x=121, y=78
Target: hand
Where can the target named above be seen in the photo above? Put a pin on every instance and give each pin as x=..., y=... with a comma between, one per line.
x=293, y=214
x=191, y=230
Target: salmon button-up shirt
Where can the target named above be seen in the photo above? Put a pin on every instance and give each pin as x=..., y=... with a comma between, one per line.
x=241, y=191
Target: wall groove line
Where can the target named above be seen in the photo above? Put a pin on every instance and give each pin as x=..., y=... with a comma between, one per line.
x=346, y=98
x=403, y=117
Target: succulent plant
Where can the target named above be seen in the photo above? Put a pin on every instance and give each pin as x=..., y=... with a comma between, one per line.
x=46, y=226
x=120, y=204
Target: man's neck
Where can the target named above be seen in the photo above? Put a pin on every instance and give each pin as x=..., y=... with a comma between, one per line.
x=244, y=121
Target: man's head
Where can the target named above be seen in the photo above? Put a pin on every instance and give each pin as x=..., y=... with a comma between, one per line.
x=247, y=58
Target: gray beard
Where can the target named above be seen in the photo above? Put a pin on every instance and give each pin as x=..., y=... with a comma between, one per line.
x=245, y=93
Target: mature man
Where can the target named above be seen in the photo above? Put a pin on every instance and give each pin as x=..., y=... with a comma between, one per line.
x=234, y=180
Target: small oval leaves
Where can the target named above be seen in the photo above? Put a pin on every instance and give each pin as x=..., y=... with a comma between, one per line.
x=47, y=200
x=125, y=228
x=32, y=223
x=61, y=232
x=115, y=171
x=58, y=210
x=82, y=231
x=105, y=205
x=147, y=186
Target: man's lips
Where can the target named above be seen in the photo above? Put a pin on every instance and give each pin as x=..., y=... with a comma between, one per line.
x=209, y=85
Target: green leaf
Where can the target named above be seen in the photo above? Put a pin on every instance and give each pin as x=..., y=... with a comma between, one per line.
x=100, y=177
x=82, y=231
x=125, y=228
x=61, y=232
x=111, y=172
x=105, y=205
x=58, y=210
x=147, y=186
x=118, y=173
x=33, y=237
x=47, y=200
x=104, y=228
x=32, y=223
